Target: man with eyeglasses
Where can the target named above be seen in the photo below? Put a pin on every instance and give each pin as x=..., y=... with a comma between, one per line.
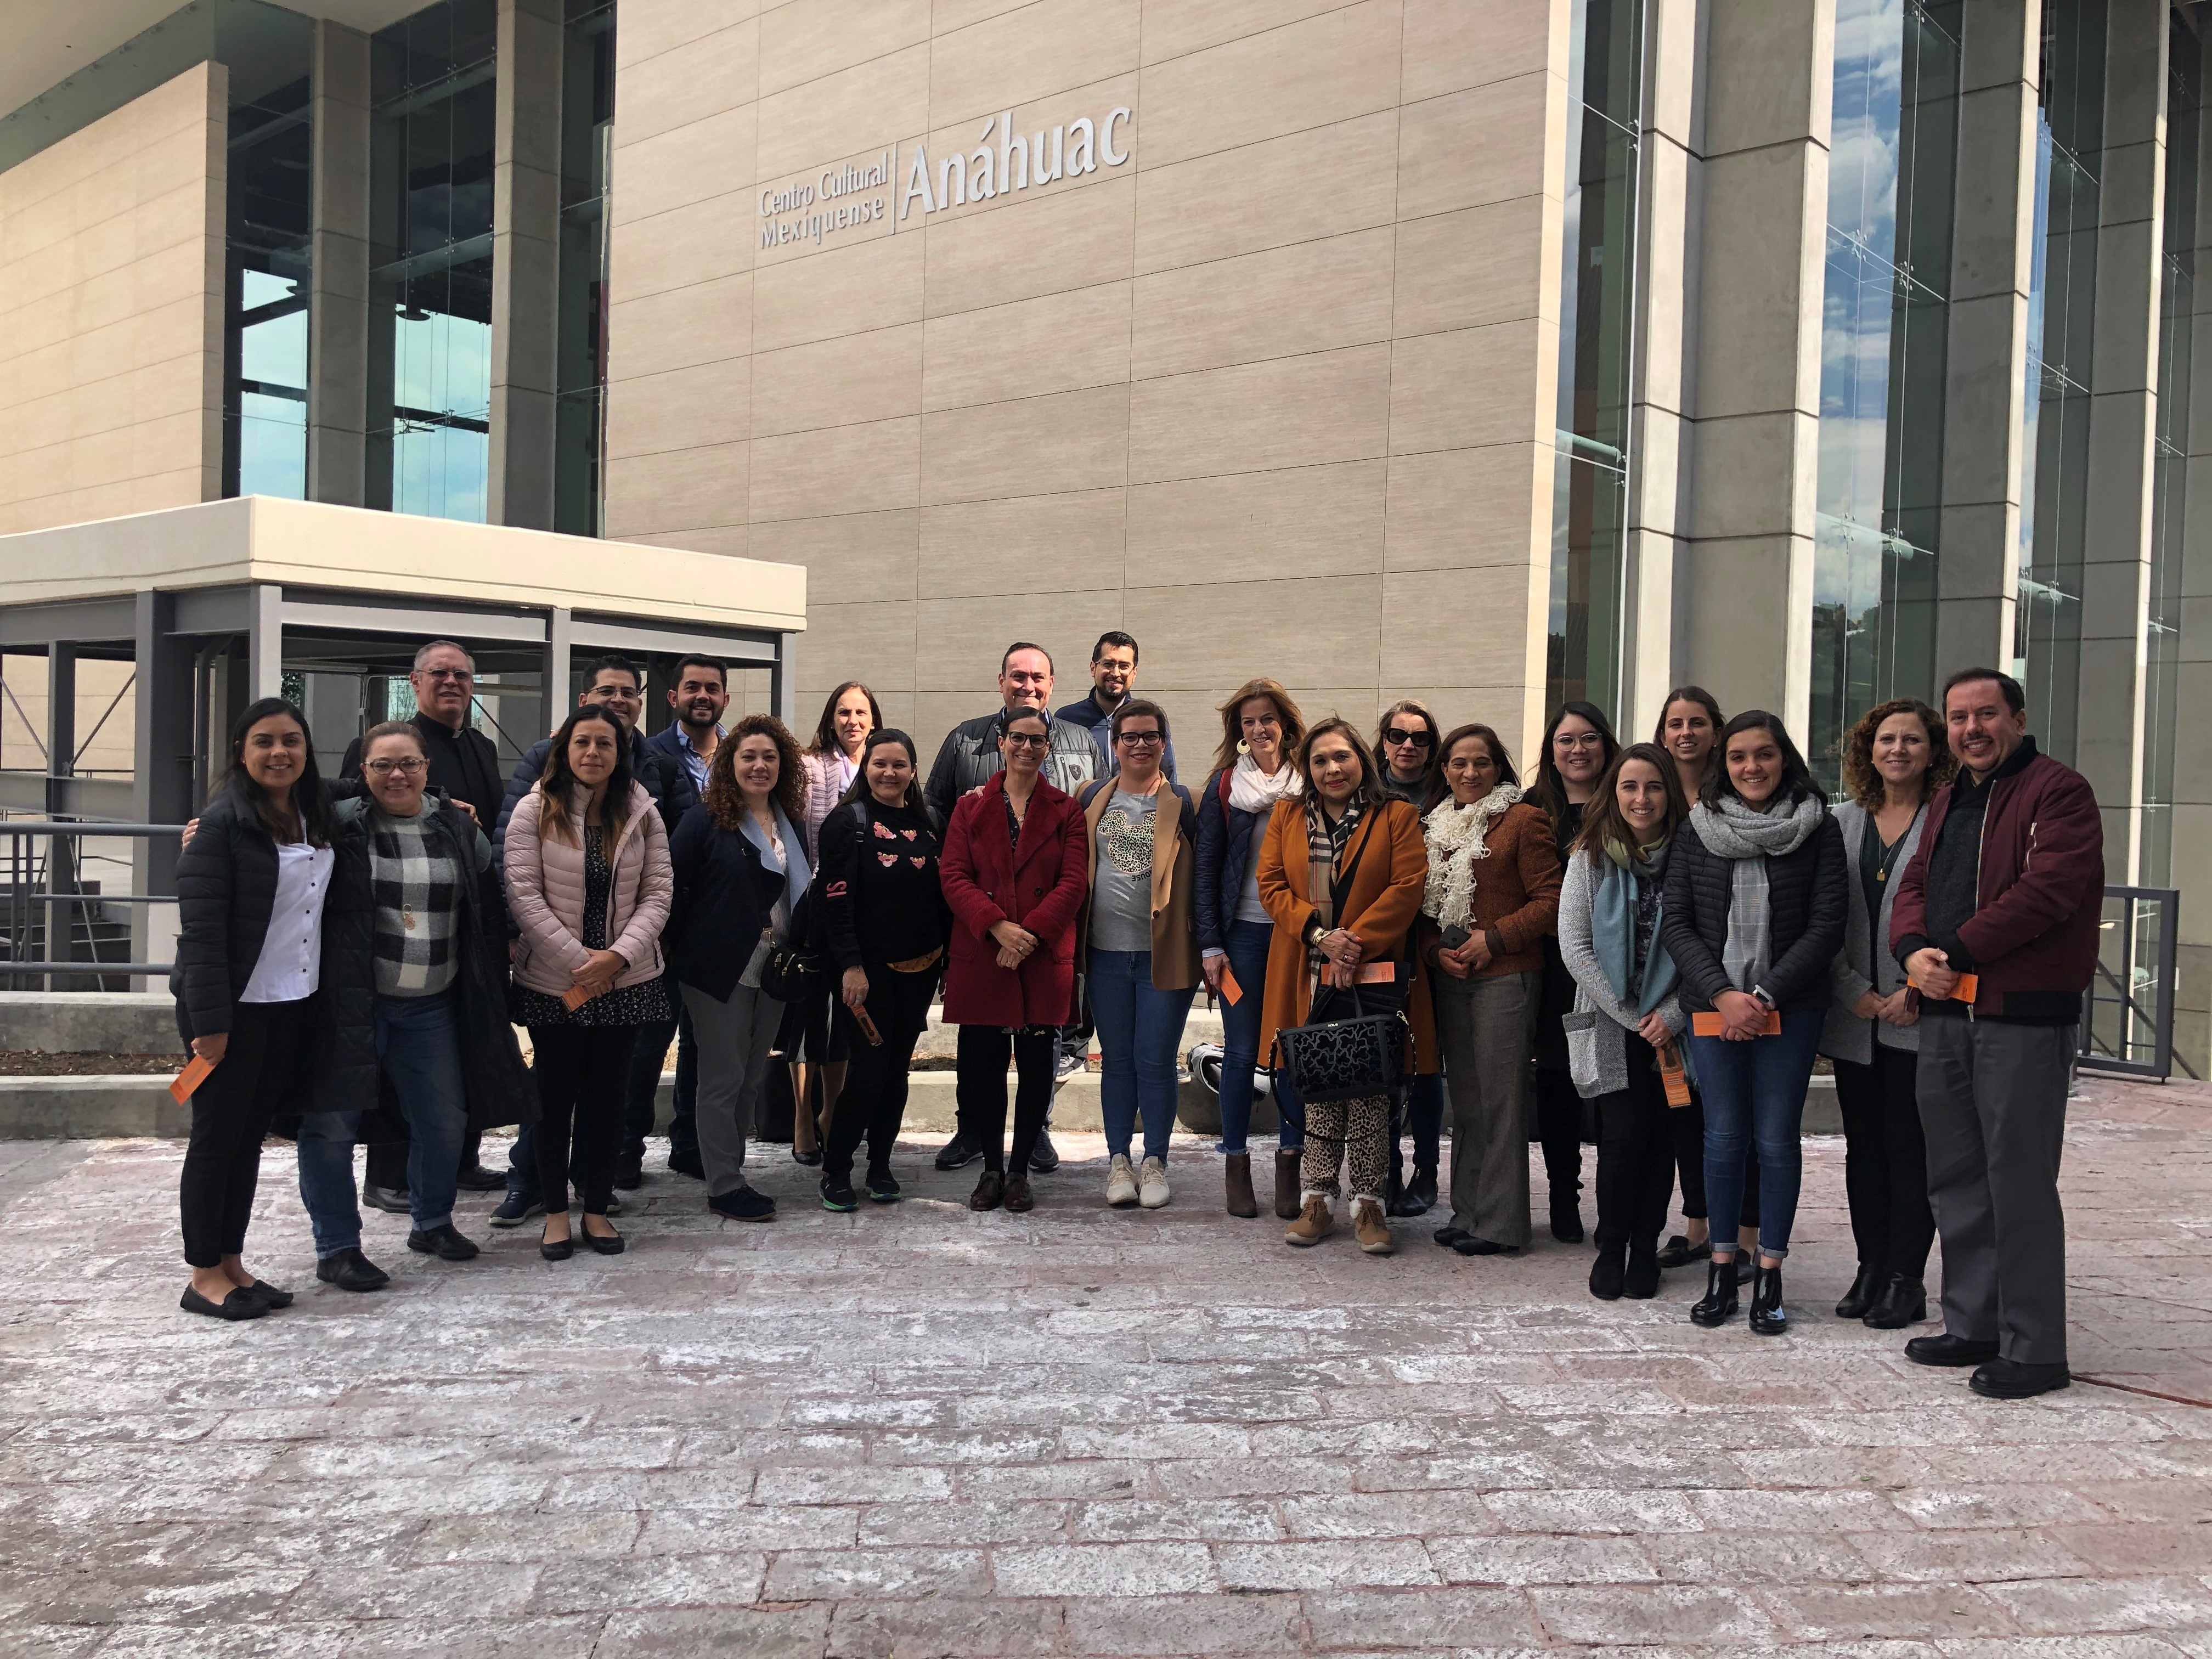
x=464, y=764
x=1113, y=682
x=966, y=760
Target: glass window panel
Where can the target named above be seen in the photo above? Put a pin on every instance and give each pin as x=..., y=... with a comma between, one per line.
x=587, y=144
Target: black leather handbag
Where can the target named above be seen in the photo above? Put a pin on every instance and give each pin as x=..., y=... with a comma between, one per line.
x=1353, y=1042
x=796, y=965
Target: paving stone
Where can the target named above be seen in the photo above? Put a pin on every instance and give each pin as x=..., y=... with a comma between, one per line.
x=2055, y=1605
x=1182, y=1625
x=1336, y=1564
x=1118, y=1570
x=945, y=1629
x=1667, y=1614
x=1840, y=1612
x=1415, y=1618
x=1527, y=1560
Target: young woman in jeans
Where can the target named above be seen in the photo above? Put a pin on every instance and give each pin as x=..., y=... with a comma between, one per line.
x=1342, y=871
x=1142, y=961
x=1260, y=726
x=1753, y=917
x=414, y=890
x=1491, y=901
x=882, y=911
x=587, y=884
x=252, y=887
x=1626, y=998
x=1013, y=874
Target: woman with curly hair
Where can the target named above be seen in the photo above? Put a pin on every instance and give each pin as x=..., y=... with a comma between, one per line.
x=740, y=867
x=1895, y=761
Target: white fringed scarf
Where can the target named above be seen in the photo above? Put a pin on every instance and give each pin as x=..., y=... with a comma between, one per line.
x=1455, y=836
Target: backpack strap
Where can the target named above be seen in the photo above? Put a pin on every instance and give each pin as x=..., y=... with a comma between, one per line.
x=1224, y=790
x=1090, y=791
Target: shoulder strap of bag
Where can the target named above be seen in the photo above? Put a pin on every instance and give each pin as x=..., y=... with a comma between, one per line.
x=1224, y=790
x=1090, y=791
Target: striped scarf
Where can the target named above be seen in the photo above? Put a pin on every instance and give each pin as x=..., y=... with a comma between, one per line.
x=1325, y=845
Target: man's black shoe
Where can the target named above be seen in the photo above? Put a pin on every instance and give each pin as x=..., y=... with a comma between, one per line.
x=959, y=1152
x=2010, y=1379
x=481, y=1180
x=1044, y=1158
x=1679, y=1252
x=883, y=1186
x=1948, y=1350
x=349, y=1270
x=442, y=1242
x=517, y=1208
x=744, y=1205
x=390, y=1200
x=687, y=1164
x=629, y=1174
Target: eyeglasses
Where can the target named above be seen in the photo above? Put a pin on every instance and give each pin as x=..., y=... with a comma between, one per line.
x=445, y=673
x=384, y=768
x=1141, y=739
x=1584, y=740
x=1420, y=740
x=1026, y=740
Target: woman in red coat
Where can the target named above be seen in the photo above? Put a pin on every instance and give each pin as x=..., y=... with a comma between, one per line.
x=1015, y=871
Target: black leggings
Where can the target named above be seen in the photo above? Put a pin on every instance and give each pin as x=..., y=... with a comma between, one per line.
x=1635, y=1154
x=582, y=1071
x=1559, y=1126
x=873, y=1103
x=983, y=1053
x=231, y=1110
x=1885, y=1162
x=1688, y=1123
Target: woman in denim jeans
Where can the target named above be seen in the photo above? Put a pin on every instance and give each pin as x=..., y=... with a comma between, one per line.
x=1259, y=728
x=1753, y=917
x=1140, y=951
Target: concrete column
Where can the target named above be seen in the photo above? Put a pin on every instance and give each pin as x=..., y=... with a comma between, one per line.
x=162, y=782
x=1985, y=374
x=1743, y=584
x=61, y=724
x=1669, y=179
x=2122, y=423
x=555, y=673
x=265, y=674
x=2193, y=760
x=337, y=319
x=525, y=241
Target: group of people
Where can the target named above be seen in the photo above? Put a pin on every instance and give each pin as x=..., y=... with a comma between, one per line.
x=1648, y=945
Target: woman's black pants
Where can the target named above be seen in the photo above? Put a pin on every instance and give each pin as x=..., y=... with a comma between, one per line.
x=1559, y=1126
x=1635, y=1153
x=983, y=1051
x=1885, y=1162
x=873, y=1103
x=582, y=1073
x=231, y=1110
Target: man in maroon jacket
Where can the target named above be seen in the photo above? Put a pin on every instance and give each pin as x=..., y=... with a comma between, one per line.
x=2007, y=888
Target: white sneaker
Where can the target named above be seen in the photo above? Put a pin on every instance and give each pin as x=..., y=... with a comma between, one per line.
x=1152, y=1184
x=1121, y=1182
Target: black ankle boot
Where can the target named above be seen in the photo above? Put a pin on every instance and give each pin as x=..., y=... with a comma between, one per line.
x=1641, y=1282
x=1903, y=1300
x=1609, y=1272
x=1865, y=1290
x=1768, y=1317
x=1719, y=1304
x=1567, y=1215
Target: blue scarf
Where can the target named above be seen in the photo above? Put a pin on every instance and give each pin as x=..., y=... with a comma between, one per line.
x=1620, y=881
x=793, y=868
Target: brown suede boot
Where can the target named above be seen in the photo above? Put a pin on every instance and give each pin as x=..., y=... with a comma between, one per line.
x=1369, y=1227
x=1314, y=1224
x=1237, y=1176
x=1286, y=1184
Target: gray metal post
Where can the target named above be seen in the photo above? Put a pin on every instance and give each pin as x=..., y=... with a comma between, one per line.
x=525, y=246
x=783, y=680
x=161, y=769
x=556, y=666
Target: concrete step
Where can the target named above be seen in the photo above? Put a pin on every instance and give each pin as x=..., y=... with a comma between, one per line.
x=90, y=1021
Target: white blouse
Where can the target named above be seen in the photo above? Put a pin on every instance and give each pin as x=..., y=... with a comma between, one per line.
x=290, y=965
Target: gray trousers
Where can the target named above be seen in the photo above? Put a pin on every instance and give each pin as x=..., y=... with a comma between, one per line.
x=1993, y=1105
x=1483, y=1028
x=734, y=1039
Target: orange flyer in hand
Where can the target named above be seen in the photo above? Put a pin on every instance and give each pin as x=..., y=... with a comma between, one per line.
x=194, y=1074
x=1710, y=1024
x=1969, y=988
x=1231, y=992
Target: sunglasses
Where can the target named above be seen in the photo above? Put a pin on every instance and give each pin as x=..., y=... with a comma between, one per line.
x=1422, y=739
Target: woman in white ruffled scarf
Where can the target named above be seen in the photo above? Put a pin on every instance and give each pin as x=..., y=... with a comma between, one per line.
x=1261, y=728
x=1492, y=896
x=1753, y=917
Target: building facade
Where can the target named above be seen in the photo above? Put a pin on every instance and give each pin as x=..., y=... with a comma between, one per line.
x=1496, y=352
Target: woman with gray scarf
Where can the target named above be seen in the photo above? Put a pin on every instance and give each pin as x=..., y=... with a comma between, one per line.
x=1753, y=917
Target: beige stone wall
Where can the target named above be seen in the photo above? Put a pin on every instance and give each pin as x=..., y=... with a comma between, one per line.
x=110, y=319
x=1276, y=392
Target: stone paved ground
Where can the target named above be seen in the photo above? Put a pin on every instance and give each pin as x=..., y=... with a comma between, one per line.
x=915, y=1431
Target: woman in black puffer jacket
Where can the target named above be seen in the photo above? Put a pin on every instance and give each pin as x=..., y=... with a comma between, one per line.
x=261, y=989
x=1753, y=917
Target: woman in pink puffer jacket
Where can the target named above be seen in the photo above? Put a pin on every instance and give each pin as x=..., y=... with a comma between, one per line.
x=588, y=885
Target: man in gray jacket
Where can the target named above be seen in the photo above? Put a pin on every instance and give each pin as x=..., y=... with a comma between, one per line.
x=967, y=759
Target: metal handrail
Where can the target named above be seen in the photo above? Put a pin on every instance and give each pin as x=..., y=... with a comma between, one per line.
x=2096, y=1052
x=23, y=903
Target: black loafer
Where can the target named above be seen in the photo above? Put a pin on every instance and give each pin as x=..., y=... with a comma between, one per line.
x=1948, y=1350
x=349, y=1270
x=1044, y=1156
x=811, y=1159
x=743, y=1204
x=687, y=1164
x=392, y=1200
x=268, y=1295
x=1679, y=1252
x=604, y=1243
x=241, y=1304
x=558, y=1250
x=443, y=1243
x=1449, y=1237
x=481, y=1180
x=2010, y=1379
x=1468, y=1244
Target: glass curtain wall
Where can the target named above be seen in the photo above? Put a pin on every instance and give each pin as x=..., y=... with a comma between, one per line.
x=1893, y=172
x=432, y=93
x=2185, y=93
x=587, y=116
x=2062, y=312
x=1597, y=281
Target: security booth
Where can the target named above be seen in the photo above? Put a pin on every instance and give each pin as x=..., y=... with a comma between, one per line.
x=166, y=625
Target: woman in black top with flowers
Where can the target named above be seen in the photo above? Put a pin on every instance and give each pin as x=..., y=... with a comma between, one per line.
x=886, y=921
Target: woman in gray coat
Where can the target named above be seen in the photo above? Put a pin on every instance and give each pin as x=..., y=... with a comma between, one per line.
x=1628, y=1010
x=1894, y=759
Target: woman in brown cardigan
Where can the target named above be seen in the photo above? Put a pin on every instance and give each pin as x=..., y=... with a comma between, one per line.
x=1326, y=927
x=1492, y=894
